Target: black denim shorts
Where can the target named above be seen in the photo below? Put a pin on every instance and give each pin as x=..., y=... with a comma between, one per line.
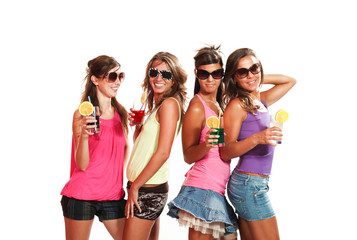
x=151, y=200
x=85, y=210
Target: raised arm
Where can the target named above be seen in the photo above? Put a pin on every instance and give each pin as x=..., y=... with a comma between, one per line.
x=81, y=134
x=282, y=84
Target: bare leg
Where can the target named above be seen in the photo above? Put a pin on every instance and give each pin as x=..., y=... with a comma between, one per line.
x=266, y=229
x=137, y=229
x=115, y=227
x=77, y=229
x=196, y=235
x=154, y=234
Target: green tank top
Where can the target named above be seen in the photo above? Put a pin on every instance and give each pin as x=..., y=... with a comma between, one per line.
x=145, y=146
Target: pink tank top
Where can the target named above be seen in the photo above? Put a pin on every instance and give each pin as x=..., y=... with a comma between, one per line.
x=103, y=179
x=211, y=172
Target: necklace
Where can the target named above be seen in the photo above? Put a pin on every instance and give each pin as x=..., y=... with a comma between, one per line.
x=210, y=101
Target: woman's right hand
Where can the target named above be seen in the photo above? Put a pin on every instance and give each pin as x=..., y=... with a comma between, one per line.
x=131, y=117
x=86, y=126
x=211, y=140
x=269, y=136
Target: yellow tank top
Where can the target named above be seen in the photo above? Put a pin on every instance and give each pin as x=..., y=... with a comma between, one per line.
x=145, y=146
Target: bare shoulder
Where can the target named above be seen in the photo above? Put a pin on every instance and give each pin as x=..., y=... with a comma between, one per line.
x=170, y=104
x=234, y=110
x=235, y=105
x=195, y=106
x=169, y=109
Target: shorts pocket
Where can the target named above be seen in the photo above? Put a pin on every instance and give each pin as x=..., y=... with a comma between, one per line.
x=238, y=201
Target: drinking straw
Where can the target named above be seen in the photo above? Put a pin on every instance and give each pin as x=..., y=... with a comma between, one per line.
x=219, y=118
x=145, y=100
x=93, y=113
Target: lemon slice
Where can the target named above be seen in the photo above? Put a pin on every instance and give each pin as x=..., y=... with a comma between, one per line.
x=86, y=108
x=143, y=97
x=281, y=116
x=212, y=122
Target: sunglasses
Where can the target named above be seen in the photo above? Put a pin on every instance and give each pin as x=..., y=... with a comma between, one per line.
x=243, y=72
x=112, y=77
x=203, y=74
x=165, y=74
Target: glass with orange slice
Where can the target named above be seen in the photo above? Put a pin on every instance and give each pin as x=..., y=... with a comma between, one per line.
x=86, y=109
x=280, y=117
x=139, y=109
x=216, y=123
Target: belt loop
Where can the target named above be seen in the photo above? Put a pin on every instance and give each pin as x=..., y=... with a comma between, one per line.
x=246, y=181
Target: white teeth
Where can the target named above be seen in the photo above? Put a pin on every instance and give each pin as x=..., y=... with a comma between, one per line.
x=159, y=85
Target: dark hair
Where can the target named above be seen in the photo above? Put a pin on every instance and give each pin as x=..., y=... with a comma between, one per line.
x=205, y=56
x=99, y=67
x=232, y=88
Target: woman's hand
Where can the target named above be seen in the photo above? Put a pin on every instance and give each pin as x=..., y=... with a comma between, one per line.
x=268, y=136
x=86, y=125
x=132, y=200
x=131, y=117
x=211, y=140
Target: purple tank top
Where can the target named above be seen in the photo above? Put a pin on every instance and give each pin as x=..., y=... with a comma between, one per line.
x=259, y=159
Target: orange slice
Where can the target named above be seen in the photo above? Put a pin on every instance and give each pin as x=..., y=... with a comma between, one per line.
x=212, y=122
x=281, y=116
x=86, y=108
x=143, y=97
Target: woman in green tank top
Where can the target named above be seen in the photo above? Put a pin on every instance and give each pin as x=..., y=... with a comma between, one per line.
x=147, y=168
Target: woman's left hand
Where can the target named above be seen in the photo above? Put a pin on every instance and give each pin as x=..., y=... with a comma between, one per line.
x=132, y=200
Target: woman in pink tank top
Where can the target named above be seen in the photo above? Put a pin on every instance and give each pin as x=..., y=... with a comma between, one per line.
x=201, y=204
x=95, y=186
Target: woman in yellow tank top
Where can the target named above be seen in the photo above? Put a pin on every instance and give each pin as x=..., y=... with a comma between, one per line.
x=147, y=168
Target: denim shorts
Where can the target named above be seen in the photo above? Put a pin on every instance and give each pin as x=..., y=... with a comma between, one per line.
x=85, y=210
x=204, y=204
x=151, y=200
x=249, y=196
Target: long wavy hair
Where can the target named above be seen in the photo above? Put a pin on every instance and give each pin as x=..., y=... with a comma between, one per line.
x=205, y=56
x=99, y=67
x=179, y=78
x=232, y=88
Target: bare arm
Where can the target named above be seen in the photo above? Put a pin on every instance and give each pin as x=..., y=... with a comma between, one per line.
x=233, y=119
x=80, y=132
x=168, y=117
x=192, y=125
x=282, y=84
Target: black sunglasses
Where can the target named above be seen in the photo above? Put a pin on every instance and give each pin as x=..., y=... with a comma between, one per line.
x=165, y=74
x=243, y=72
x=203, y=74
x=112, y=77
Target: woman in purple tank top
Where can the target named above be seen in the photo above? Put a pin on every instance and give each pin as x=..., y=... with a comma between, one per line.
x=249, y=137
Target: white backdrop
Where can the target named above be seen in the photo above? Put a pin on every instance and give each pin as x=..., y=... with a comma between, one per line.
x=45, y=46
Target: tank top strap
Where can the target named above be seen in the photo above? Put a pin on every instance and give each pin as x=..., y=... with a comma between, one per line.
x=208, y=111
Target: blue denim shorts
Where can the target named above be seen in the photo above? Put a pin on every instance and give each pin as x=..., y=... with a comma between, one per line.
x=249, y=196
x=204, y=204
x=85, y=210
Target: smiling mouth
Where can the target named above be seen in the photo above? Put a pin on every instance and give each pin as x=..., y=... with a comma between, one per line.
x=159, y=84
